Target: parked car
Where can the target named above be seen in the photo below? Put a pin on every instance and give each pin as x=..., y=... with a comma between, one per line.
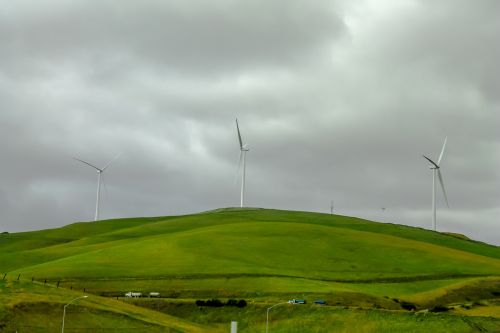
x=297, y=301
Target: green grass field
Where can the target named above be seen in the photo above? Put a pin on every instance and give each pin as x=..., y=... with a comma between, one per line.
x=32, y=307
x=265, y=256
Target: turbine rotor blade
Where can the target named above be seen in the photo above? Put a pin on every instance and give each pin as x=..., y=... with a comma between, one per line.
x=428, y=159
x=442, y=186
x=93, y=166
x=109, y=163
x=442, y=151
x=239, y=134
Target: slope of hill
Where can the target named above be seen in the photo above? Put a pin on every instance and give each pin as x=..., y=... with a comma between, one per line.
x=262, y=255
x=246, y=243
x=32, y=307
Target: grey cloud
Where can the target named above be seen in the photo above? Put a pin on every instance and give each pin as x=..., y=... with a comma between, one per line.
x=337, y=100
x=170, y=37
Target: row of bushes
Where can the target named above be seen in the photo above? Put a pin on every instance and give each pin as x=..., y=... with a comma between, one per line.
x=218, y=303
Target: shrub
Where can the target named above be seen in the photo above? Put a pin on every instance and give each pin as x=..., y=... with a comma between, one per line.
x=439, y=308
x=217, y=303
x=214, y=303
x=232, y=302
x=408, y=306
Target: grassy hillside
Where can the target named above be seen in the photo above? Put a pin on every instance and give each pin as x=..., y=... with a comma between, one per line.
x=31, y=307
x=265, y=256
x=246, y=242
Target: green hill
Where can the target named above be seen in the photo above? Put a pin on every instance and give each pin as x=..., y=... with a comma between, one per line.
x=246, y=243
x=32, y=307
x=259, y=254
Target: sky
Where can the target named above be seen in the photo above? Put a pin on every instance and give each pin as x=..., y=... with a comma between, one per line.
x=337, y=100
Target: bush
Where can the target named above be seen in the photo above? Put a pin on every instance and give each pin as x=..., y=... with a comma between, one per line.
x=439, y=308
x=214, y=303
x=408, y=306
x=232, y=302
x=217, y=303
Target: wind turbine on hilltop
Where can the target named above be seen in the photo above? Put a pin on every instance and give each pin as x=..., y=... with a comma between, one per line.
x=99, y=175
x=243, y=151
x=436, y=170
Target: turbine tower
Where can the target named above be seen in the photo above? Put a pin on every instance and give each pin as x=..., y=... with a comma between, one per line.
x=99, y=175
x=436, y=170
x=243, y=151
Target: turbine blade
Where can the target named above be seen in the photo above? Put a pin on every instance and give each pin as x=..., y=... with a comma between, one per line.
x=442, y=151
x=239, y=134
x=442, y=187
x=109, y=163
x=87, y=163
x=428, y=159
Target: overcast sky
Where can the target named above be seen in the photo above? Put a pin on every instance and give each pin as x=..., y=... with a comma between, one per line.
x=337, y=100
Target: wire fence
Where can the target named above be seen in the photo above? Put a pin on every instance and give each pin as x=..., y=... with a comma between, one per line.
x=40, y=329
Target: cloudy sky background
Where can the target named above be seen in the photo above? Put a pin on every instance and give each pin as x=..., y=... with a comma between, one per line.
x=338, y=100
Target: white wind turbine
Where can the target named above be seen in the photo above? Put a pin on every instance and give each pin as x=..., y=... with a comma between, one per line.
x=243, y=151
x=436, y=169
x=99, y=175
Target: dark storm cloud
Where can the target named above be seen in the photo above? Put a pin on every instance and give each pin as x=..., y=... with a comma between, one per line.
x=337, y=100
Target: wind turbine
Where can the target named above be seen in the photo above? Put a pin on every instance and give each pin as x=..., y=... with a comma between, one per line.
x=243, y=152
x=99, y=175
x=436, y=170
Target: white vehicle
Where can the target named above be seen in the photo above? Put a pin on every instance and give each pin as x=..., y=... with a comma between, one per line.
x=132, y=294
x=154, y=294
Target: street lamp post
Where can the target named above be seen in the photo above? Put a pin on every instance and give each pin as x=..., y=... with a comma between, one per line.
x=267, y=316
x=64, y=310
